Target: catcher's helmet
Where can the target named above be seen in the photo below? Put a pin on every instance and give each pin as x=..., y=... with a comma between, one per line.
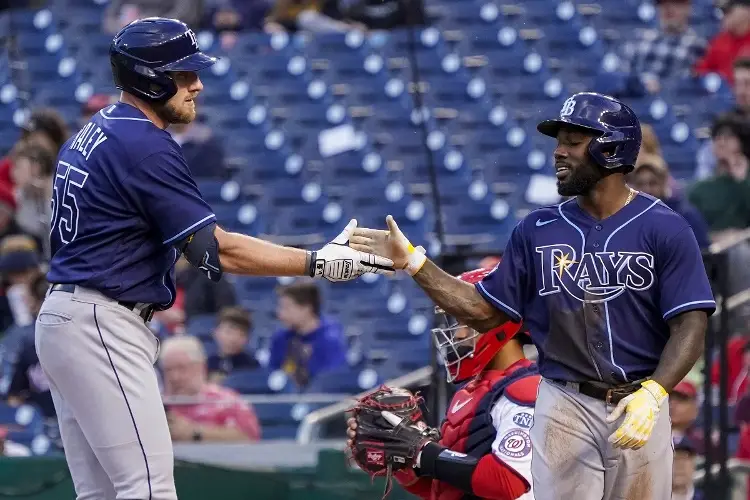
x=144, y=51
x=618, y=129
x=465, y=351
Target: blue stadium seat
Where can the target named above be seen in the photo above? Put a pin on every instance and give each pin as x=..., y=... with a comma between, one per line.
x=24, y=423
x=343, y=381
x=257, y=381
x=201, y=325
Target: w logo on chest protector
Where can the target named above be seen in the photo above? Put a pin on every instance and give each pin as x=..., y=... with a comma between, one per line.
x=593, y=277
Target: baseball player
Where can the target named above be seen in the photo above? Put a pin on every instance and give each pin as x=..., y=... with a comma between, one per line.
x=125, y=208
x=488, y=420
x=612, y=287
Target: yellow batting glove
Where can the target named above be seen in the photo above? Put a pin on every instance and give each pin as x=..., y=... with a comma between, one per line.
x=641, y=411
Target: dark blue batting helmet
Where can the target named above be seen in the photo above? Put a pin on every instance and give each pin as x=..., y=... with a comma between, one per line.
x=145, y=51
x=617, y=128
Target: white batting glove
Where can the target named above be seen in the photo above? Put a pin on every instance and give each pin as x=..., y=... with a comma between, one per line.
x=338, y=262
x=641, y=411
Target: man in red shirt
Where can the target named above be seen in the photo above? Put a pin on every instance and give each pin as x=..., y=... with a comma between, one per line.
x=733, y=41
x=196, y=409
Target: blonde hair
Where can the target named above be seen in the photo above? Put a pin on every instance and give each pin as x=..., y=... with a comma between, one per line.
x=184, y=343
x=649, y=142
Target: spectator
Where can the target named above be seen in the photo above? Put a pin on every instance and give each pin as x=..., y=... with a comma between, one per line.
x=122, y=12
x=212, y=413
x=683, y=470
x=667, y=52
x=28, y=382
x=93, y=105
x=19, y=263
x=8, y=224
x=706, y=161
x=724, y=199
x=732, y=42
x=309, y=344
x=377, y=14
x=683, y=411
x=10, y=449
x=227, y=17
x=293, y=15
x=32, y=173
x=651, y=176
x=231, y=335
x=198, y=294
x=737, y=364
x=46, y=128
x=203, y=151
x=649, y=141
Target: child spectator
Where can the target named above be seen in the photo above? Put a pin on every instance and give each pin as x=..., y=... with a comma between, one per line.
x=231, y=335
x=683, y=470
x=309, y=344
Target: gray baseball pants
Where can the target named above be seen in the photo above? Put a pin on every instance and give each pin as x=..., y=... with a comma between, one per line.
x=572, y=458
x=99, y=358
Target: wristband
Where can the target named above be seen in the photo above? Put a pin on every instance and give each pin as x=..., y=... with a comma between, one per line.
x=310, y=259
x=415, y=261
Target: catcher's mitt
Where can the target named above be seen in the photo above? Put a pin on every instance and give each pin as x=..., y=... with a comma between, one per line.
x=383, y=445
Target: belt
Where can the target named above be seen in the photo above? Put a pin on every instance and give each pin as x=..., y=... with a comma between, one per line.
x=608, y=394
x=146, y=313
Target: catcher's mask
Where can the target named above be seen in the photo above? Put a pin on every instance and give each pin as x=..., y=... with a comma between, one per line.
x=465, y=351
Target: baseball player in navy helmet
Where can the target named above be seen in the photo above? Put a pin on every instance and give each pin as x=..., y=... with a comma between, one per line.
x=125, y=208
x=611, y=284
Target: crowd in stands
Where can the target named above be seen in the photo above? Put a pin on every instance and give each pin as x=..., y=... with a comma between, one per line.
x=306, y=342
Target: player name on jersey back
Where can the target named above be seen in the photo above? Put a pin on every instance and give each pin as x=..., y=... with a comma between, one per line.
x=88, y=139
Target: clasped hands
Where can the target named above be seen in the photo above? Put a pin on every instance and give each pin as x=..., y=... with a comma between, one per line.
x=358, y=250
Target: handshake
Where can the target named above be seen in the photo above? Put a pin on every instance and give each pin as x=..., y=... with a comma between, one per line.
x=356, y=251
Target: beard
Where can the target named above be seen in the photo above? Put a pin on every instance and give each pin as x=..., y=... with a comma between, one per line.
x=171, y=114
x=580, y=180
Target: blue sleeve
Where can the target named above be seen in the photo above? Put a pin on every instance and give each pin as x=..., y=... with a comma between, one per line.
x=166, y=194
x=506, y=286
x=681, y=276
x=278, y=351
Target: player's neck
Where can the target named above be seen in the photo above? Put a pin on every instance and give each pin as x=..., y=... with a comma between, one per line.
x=508, y=356
x=143, y=108
x=606, y=198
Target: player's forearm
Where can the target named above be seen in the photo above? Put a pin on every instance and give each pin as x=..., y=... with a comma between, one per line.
x=687, y=332
x=241, y=254
x=458, y=298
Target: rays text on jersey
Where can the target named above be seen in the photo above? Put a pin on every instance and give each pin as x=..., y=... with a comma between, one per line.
x=594, y=276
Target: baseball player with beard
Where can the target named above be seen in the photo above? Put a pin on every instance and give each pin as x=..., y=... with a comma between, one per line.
x=484, y=450
x=125, y=208
x=612, y=287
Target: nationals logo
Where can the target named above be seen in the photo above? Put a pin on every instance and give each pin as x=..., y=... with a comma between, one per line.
x=375, y=457
x=515, y=444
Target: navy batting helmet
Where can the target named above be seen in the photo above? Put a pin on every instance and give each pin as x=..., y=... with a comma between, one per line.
x=618, y=130
x=145, y=51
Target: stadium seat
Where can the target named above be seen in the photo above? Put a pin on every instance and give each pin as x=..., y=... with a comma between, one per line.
x=257, y=381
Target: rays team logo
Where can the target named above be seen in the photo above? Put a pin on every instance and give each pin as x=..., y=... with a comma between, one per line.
x=594, y=277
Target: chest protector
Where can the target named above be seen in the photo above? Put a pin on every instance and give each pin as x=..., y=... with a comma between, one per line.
x=468, y=426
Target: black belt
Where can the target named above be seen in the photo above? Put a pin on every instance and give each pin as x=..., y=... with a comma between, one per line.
x=608, y=394
x=146, y=313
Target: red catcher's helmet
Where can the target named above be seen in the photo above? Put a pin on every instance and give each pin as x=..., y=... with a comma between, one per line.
x=465, y=351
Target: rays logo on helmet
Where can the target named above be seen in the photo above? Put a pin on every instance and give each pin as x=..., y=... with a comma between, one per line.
x=515, y=444
x=568, y=107
x=193, y=39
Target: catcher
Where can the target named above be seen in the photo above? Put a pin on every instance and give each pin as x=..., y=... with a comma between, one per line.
x=483, y=448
